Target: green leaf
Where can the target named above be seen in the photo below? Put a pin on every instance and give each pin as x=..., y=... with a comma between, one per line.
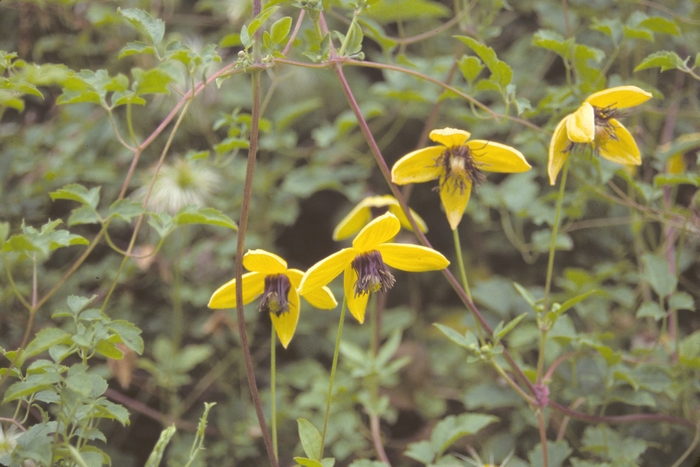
x=557, y=453
x=125, y=209
x=159, y=449
x=564, y=307
x=502, y=330
x=78, y=193
x=451, y=428
x=280, y=29
x=260, y=19
x=638, y=33
x=681, y=301
x=390, y=11
x=83, y=215
x=661, y=25
x=470, y=68
x=153, y=81
x=310, y=438
x=501, y=72
x=306, y=462
x=389, y=348
x=108, y=409
x=354, y=40
x=128, y=333
x=208, y=216
x=662, y=180
x=231, y=143
x=134, y=48
x=529, y=298
x=422, y=451
x=553, y=41
x=612, y=27
x=154, y=29
x=650, y=310
x=43, y=341
x=468, y=341
x=77, y=303
x=36, y=443
x=658, y=275
x=664, y=60
x=162, y=223
x=34, y=383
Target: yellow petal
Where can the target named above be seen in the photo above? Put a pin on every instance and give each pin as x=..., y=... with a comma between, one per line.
x=326, y=270
x=264, y=261
x=320, y=298
x=356, y=305
x=496, y=157
x=418, y=166
x=380, y=230
x=580, y=126
x=286, y=323
x=619, y=98
x=412, y=258
x=624, y=150
x=353, y=222
x=225, y=296
x=454, y=199
x=557, y=150
x=450, y=137
x=675, y=164
x=396, y=210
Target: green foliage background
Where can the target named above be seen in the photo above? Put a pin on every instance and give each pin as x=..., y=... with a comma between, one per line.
x=83, y=83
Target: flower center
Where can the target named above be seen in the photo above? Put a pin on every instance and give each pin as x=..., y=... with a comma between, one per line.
x=275, y=296
x=460, y=167
x=603, y=128
x=372, y=274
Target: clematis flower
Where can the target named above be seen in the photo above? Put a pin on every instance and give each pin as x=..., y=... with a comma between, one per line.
x=366, y=209
x=595, y=123
x=458, y=163
x=277, y=285
x=365, y=264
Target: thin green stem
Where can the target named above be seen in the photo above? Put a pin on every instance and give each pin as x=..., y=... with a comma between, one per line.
x=334, y=366
x=273, y=395
x=460, y=263
x=555, y=232
x=691, y=448
x=512, y=383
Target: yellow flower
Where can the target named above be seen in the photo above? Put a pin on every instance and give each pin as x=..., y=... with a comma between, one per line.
x=458, y=164
x=363, y=213
x=278, y=287
x=595, y=123
x=365, y=264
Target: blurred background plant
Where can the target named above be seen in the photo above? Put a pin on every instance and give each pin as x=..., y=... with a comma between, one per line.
x=117, y=184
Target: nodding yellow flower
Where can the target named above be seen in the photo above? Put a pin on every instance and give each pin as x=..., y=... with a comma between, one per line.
x=278, y=286
x=365, y=264
x=458, y=164
x=595, y=123
x=368, y=208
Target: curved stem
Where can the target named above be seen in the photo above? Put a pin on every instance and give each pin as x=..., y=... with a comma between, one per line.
x=691, y=448
x=543, y=437
x=240, y=248
x=377, y=438
x=334, y=366
x=460, y=263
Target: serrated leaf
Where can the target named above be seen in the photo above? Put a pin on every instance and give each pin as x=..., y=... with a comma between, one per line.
x=134, y=48
x=34, y=383
x=209, y=216
x=664, y=60
x=422, y=451
x=470, y=68
x=78, y=193
x=501, y=72
x=125, y=209
x=662, y=180
x=128, y=333
x=108, y=409
x=311, y=440
x=44, y=340
x=638, y=33
x=154, y=29
x=681, y=301
x=153, y=81
x=83, y=215
x=390, y=11
x=354, y=40
x=231, y=143
x=553, y=41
